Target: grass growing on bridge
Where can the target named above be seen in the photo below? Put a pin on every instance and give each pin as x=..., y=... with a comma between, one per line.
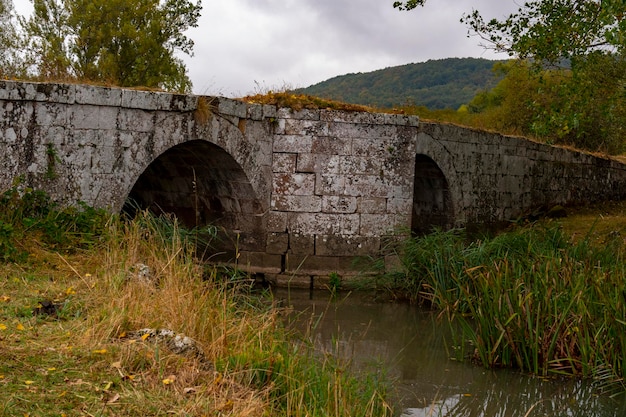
x=75, y=288
x=545, y=298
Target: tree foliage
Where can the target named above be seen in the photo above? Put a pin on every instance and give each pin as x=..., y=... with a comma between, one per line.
x=569, y=83
x=408, y=5
x=121, y=42
x=571, y=86
x=437, y=84
x=551, y=30
x=584, y=108
x=12, y=62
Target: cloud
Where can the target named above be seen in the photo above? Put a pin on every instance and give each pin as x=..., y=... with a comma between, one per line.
x=246, y=45
x=271, y=43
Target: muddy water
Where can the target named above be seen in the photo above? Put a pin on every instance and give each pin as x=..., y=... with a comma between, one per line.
x=410, y=345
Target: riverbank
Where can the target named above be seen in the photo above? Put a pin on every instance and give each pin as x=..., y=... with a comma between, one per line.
x=100, y=316
x=544, y=297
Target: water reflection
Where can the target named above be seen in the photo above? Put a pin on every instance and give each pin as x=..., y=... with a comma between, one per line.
x=410, y=345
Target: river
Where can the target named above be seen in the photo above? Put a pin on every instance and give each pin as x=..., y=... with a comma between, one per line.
x=411, y=345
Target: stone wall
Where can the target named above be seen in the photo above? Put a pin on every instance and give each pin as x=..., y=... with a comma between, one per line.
x=342, y=185
x=298, y=195
x=494, y=178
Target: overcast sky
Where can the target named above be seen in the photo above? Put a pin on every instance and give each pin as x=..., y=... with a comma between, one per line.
x=247, y=46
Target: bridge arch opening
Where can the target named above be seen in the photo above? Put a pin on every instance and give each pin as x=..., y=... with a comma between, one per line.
x=432, y=203
x=201, y=184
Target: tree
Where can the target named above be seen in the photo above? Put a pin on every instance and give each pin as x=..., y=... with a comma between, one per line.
x=569, y=85
x=553, y=30
x=12, y=62
x=122, y=42
x=577, y=64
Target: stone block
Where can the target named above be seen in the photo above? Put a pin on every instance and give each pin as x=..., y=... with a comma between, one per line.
x=277, y=243
x=339, y=204
x=330, y=184
x=400, y=205
x=232, y=107
x=372, y=205
x=319, y=163
x=292, y=144
x=333, y=245
x=146, y=100
x=255, y=112
x=259, y=262
x=367, y=185
x=401, y=120
x=136, y=120
x=328, y=145
x=300, y=244
x=276, y=221
x=338, y=116
x=323, y=223
x=303, y=114
x=320, y=265
x=50, y=115
x=360, y=165
x=377, y=225
x=93, y=117
x=269, y=111
x=309, y=128
x=284, y=162
x=98, y=96
x=293, y=184
x=296, y=203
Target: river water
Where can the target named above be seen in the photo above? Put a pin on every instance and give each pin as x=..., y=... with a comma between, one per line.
x=411, y=345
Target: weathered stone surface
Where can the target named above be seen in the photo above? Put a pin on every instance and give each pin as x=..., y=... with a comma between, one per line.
x=298, y=193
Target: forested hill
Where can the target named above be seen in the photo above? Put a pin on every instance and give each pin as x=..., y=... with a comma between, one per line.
x=436, y=84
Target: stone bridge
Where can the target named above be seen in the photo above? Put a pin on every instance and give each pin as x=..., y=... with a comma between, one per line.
x=298, y=193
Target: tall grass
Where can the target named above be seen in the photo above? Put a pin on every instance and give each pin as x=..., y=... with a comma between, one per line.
x=528, y=299
x=243, y=336
x=80, y=360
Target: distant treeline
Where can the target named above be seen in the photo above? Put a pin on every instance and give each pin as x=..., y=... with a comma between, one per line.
x=436, y=84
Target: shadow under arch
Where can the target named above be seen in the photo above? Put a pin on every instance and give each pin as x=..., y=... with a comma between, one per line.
x=202, y=184
x=432, y=202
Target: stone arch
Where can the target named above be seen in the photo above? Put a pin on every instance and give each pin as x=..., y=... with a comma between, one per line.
x=432, y=202
x=441, y=159
x=201, y=183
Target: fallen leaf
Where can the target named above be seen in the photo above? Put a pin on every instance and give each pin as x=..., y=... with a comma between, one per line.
x=3, y=327
x=29, y=382
x=5, y=298
x=145, y=336
x=189, y=390
x=20, y=327
x=170, y=379
x=116, y=365
x=113, y=399
x=100, y=351
x=218, y=378
x=70, y=291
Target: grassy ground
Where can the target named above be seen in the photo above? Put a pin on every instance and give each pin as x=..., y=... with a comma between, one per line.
x=73, y=302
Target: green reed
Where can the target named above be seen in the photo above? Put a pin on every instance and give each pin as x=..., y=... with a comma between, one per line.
x=528, y=298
